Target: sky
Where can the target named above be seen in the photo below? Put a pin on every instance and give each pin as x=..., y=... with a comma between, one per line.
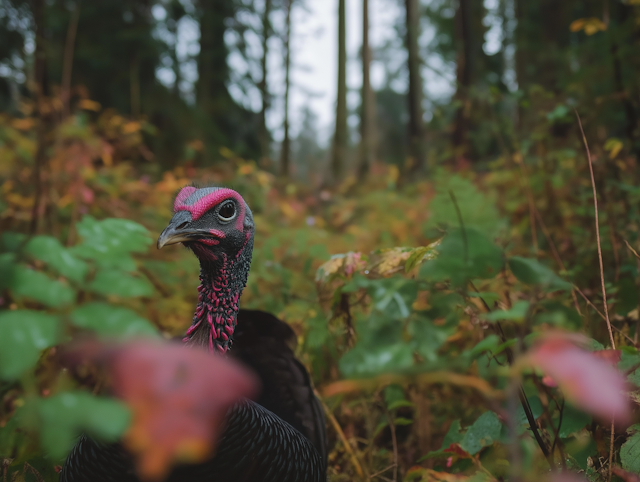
x=314, y=60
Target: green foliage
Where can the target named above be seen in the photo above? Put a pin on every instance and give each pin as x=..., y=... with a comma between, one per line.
x=43, y=314
x=25, y=333
x=484, y=432
x=62, y=417
x=630, y=451
x=464, y=254
x=531, y=272
x=106, y=319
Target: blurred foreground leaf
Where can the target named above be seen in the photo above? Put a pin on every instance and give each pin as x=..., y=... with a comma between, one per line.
x=24, y=334
x=118, y=283
x=28, y=283
x=64, y=416
x=49, y=250
x=106, y=319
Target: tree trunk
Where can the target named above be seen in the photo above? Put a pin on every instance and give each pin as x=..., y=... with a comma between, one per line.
x=40, y=86
x=212, y=58
x=366, y=115
x=416, y=146
x=341, y=133
x=264, y=92
x=463, y=78
x=286, y=142
x=67, y=62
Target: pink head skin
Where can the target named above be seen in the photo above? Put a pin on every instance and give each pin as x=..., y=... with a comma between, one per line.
x=188, y=200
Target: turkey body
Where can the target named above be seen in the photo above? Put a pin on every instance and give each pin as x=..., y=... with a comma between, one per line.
x=279, y=438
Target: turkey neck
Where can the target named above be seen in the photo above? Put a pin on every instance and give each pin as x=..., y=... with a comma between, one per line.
x=222, y=280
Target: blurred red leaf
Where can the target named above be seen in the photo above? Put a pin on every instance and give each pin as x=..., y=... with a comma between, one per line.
x=588, y=381
x=179, y=397
x=612, y=356
x=624, y=475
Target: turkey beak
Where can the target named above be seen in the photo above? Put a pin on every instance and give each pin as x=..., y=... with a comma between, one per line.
x=179, y=231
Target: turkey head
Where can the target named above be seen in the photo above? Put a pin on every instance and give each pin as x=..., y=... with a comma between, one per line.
x=217, y=225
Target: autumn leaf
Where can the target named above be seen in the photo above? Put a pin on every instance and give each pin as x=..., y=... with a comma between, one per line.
x=178, y=396
x=588, y=381
x=589, y=25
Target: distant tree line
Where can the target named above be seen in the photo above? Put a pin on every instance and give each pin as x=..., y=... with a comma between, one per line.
x=544, y=55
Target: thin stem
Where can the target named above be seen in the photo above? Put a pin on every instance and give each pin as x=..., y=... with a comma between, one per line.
x=343, y=438
x=595, y=205
x=464, y=232
x=604, y=291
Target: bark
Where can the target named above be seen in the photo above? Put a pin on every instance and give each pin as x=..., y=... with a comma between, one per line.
x=212, y=58
x=341, y=133
x=264, y=92
x=463, y=77
x=134, y=73
x=366, y=115
x=67, y=63
x=416, y=143
x=40, y=86
x=286, y=142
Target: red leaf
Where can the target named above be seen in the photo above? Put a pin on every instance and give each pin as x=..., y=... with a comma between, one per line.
x=624, y=475
x=612, y=356
x=179, y=397
x=588, y=381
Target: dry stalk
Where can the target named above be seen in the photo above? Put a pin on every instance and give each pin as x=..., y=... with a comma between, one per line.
x=343, y=438
x=604, y=291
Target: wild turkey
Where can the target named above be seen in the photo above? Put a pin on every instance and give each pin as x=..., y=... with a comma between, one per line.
x=279, y=438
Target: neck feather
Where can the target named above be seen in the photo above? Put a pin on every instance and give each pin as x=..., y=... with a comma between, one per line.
x=222, y=280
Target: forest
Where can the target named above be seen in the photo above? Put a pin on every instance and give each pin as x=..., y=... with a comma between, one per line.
x=454, y=253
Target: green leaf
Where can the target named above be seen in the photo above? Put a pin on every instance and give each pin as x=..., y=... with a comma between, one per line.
x=517, y=312
x=453, y=436
x=109, y=242
x=119, y=283
x=530, y=271
x=23, y=334
x=402, y=421
x=107, y=319
x=49, y=250
x=630, y=454
x=464, y=255
x=64, y=416
x=12, y=241
x=536, y=410
x=482, y=433
x=33, y=284
x=7, y=269
x=573, y=420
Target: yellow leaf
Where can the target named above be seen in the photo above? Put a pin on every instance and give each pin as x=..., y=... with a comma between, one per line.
x=287, y=210
x=614, y=146
x=590, y=25
x=23, y=124
x=87, y=104
x=131, y=127
x=226, y=153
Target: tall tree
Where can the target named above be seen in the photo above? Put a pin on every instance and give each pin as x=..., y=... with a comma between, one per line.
x=341, y=133
x=366, y=113
x=285, y=150
x=213, y=70
x=471, y=65
x=415, y=127
x=264, y=91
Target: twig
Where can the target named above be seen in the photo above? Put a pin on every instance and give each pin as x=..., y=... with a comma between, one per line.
x=343, y=438
x=557, y=430
x=524, y=401
x=604, y=291
x=556, y=255
x=465, y=241
x=377, y=474
x=595, y=205
x=635, y=253
x=394, y=441
x=532, y=206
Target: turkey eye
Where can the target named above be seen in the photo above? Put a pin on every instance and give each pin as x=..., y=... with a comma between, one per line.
x=227, y=212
